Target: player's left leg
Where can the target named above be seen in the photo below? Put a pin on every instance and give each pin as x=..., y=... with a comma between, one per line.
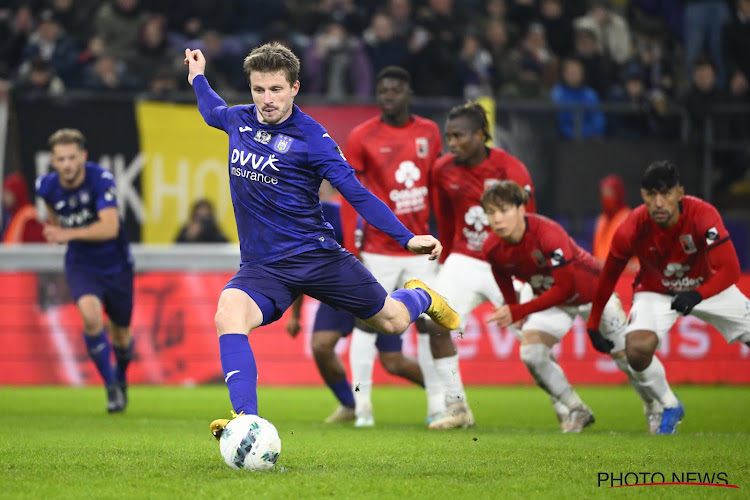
x=118, y=303
x=333, y=373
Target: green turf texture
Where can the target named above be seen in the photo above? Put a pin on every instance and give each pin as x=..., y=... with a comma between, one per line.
x=60, y=443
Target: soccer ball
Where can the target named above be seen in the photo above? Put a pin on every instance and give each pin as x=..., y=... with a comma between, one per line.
x=250, y=442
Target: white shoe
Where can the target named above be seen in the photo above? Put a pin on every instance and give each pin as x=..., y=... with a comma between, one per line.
x=457, y=415
x=563, y=418
x=366, y=421
x=432, y=417
x=341, y=414
x=580, y=418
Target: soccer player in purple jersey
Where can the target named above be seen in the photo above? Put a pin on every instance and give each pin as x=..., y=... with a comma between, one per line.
x=81, y=200
x=278, y=157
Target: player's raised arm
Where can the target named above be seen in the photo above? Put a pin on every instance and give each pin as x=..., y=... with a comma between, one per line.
x=211, y=106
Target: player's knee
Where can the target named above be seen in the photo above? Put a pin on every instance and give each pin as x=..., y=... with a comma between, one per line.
x=639, y=352
x=92, y=324
x=222, y=320
x=321, y=347
x=534, y=355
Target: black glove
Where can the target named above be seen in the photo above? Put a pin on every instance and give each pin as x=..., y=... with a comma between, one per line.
x=684, y=302
x=599, y=341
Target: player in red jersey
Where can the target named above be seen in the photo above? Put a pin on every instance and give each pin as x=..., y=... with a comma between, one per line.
x=538, y=251
x=393, y=155
x=465, y=278
x=688, y=266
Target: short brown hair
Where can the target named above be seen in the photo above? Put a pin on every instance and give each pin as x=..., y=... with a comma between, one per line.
x=67, y=136
x=270, y=58
x=504, y=193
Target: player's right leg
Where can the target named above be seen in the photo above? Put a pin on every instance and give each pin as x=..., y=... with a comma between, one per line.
x=118, y=303
x=541, y=331
x=649, y=320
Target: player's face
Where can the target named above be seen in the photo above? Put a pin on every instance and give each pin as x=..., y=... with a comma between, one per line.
x=663, y=206
x=506, y=221
x=465, y=143
x=393, y=96
x=273, y=96
x=68, y=160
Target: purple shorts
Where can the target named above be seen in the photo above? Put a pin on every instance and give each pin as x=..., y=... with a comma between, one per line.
x=329, y=319
x=115, y=290
x=335, y=277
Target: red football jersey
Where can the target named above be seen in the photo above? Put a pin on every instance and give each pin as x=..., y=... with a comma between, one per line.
x=674, y=259
x=395, y=164
x=462, y=224
x=544, y=250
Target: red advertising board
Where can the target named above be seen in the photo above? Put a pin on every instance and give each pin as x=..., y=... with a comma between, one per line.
x=176, y=341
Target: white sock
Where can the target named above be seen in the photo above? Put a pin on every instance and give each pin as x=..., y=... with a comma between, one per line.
x=653, y=380
x=548, y=374
x=649, y=403
x=362, y=359
x=450, y=376
x=432, y=385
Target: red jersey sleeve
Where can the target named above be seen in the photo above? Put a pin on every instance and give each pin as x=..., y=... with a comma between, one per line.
x=721, y=253
x=505, y=282
x=443, y=213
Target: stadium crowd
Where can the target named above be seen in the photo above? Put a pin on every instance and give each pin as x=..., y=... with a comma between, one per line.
x=655, y=62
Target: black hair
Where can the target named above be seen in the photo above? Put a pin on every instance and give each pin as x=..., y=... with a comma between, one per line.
x=475, y=113
x=395, y=72
x=661, y=175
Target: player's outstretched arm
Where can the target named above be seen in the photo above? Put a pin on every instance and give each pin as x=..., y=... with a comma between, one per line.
x=425, y=244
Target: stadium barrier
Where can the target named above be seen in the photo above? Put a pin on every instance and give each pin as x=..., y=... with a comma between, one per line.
x=176, y=290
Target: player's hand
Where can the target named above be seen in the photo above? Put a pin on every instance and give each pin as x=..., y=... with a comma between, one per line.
x=599, y=341
x=55, y=234
x=196, y=63
x=425, y=243
x=293, y=326
x=502, y=316
x=684, y=302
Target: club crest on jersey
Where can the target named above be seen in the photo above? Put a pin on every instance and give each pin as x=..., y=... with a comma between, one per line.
x=557, y=258
x=262, y=137
x=687, y=243
x=489, y=183
x=539, y=259
x=712, y=235
x=283, y=143
x=423, y=147
x=85, y=197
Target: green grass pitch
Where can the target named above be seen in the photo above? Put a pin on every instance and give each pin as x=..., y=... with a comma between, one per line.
x=60, y=443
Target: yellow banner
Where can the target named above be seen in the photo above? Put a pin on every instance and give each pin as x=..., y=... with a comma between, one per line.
x=185, y=160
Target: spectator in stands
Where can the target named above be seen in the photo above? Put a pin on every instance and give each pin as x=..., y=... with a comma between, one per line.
x=76, y=18
x=15, y=30
x=105, y=73
x=400, y=12
x=20, y=224
x=704, y=21
x=50, y=43
x=336, y=65
x=118, y=23
x=558, y=27
x=505, y=57
x=522, y=13
x=614, y=211
x=475, y=68
x=381, y=44
x=195, y=17
x=585, y=121
x=528, y=86
x=702, y=95
x=598, y=67
x=736, y=41
x=612, y=32
x=40, y=80
x=534, y=46
x=202, y=227
x=153, y=52
x=639, y=120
